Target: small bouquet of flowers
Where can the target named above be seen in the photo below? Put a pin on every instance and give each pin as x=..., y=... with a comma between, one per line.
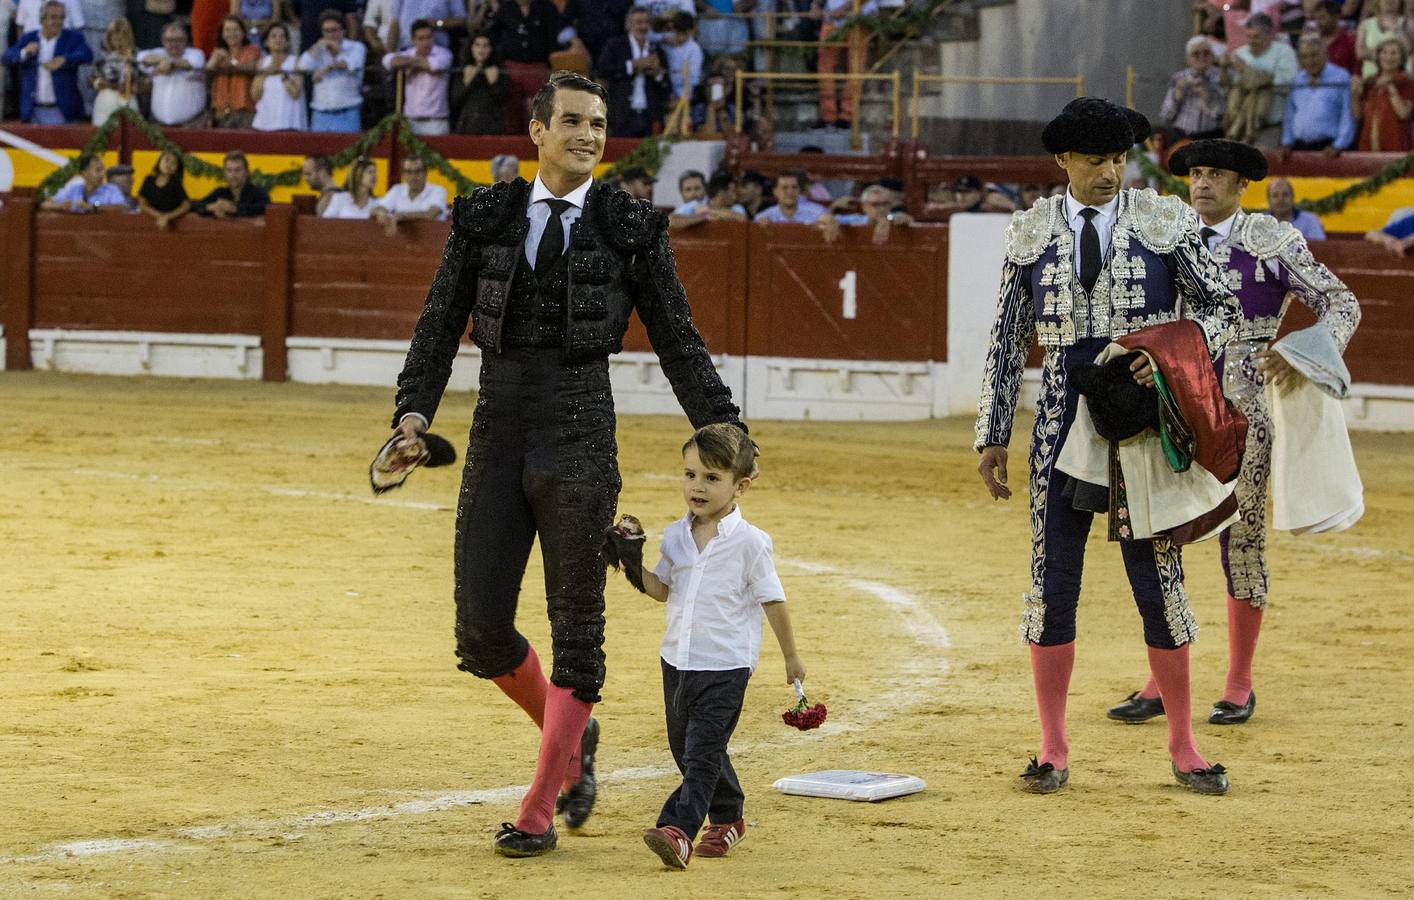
x=802, y=715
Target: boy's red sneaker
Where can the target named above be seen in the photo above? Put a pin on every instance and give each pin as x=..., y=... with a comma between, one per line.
x=671, y=844
x=716, y=840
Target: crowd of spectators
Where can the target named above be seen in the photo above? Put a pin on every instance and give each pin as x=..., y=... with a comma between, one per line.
x=1327, y=75
x=462, y=66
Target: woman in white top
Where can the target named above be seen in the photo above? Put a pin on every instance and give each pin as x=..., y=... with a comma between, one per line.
x=278, y=88
x=356, y=199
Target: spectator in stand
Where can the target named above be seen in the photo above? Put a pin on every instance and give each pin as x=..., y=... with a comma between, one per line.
x=375, y=27
x=638, y=183
x=876, y=204
x=1318, y=113
x=525, y=32
x=120, y=176
x=311, y=24
x=1383, y=103
x=238, y=197
x=356, y=200
x=480, y=90
x=89, y=192
x=752, y=192
x=713, y=104
x=97, y=15
x=116, y=76
x=1386, y=24
x=335, y=65
x=1262, y=73
x=1340, y=43
x=278, y=87
x=49, y=60
x=1193, y=106
x=318, y=173
x=1281, y=203
x=412, y=198
x=178, y=80
x=163, y=196
x=505, y=168
x=232, y=66
x=840, y=113
x=425, y=85
x=443, y=14
x=636, y=73
x=1029, y=194
x=258, y=14
x=684, y=56
x=692, y=187
x=717, y=31
x=790, y=207
x=967, y=194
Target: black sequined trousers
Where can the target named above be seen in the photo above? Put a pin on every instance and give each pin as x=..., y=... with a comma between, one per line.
x=542, y=462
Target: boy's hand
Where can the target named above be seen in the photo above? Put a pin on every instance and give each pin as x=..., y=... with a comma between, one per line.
x=795, y=669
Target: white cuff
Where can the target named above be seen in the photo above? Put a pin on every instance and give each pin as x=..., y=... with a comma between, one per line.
x=415, y=415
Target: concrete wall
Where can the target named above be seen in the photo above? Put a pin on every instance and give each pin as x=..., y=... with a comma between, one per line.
x=1097, y=38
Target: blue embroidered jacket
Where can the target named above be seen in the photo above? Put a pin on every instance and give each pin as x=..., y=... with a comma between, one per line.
x=1157, y=271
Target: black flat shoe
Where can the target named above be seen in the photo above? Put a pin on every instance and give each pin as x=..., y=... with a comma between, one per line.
x=1225, y=713
x=578, y=802
x=1212, y=780
x=1044, y=778
x=1136, y=709
x=511, y=841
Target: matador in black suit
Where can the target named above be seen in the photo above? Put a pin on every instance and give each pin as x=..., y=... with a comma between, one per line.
x=548, y=273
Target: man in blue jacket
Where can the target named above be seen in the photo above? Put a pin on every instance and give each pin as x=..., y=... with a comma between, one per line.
x=49, y=61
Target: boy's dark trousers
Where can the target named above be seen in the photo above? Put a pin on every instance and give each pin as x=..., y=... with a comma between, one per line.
x=702, y=711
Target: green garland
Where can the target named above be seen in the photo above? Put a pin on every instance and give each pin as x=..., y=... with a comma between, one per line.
x=200, y=168
x=906, y=25
x=1332, y=203
x=648, y=155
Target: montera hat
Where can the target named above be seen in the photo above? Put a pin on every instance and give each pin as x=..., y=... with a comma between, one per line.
x=1094, y=125
x=1244, y=159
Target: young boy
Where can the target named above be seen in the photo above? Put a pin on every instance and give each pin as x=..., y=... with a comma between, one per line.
x=716, y=575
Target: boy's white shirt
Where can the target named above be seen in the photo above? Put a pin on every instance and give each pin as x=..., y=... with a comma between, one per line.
x=715, y=596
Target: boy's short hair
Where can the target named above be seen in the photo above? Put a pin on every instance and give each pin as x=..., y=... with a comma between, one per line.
x=726, y=447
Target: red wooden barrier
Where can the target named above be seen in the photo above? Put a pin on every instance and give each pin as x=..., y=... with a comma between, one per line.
x=799, y=303
x=711, y=260
x=755, y=290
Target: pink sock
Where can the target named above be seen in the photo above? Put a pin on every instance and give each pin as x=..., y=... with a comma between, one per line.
x=1050, y=671
x=1150, y=691
x=1244, y=623
x=1170, y=668
x=565, y=718
x=526, y=684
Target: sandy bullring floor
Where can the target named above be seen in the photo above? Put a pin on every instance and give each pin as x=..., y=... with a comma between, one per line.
x=227, y=671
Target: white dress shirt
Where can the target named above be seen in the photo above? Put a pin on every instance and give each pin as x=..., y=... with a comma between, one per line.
x=431, y=197
x=1104, y=223
x=44, y=85
x=715, y=596
x=180, y=95
x=539, y=214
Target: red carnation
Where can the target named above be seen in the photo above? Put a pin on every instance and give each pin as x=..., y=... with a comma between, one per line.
x=802, y=715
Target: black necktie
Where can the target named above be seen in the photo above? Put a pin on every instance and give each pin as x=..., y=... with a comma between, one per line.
x=1089, y=250
x=1207, y=234
x=552, y=242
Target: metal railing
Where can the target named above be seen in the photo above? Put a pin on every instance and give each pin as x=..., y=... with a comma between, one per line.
x=1078, y=80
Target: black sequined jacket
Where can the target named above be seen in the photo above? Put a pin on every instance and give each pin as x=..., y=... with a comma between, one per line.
x=619, y=261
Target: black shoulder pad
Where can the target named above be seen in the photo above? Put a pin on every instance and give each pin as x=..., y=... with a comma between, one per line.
x=628, y=224
x=487, y=210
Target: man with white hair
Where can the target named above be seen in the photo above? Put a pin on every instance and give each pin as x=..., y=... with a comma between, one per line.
x=1193, y=106
x=876, y=203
